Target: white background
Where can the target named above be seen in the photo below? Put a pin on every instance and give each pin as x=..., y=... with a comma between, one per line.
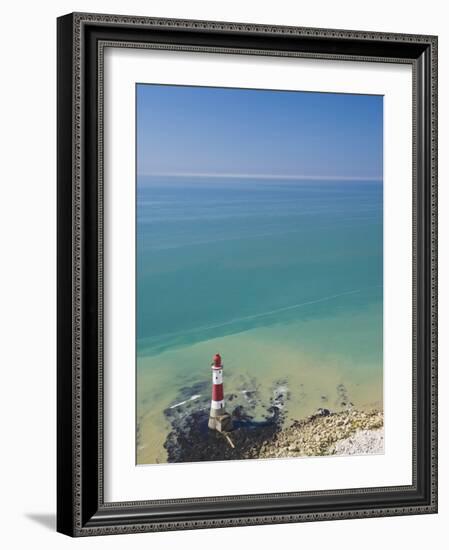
x=27, y=233
x=123, y=481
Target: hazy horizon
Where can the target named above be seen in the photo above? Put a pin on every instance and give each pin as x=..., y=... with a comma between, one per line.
x=258, y=177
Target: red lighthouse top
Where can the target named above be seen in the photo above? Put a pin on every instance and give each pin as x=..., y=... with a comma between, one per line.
x=216, y=364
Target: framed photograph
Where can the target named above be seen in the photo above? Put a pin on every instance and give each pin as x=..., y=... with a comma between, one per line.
x=247, y=283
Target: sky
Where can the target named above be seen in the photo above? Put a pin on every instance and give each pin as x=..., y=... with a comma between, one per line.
x=189, y=130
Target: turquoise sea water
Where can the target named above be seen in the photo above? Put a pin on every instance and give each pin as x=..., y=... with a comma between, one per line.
x=284, y=278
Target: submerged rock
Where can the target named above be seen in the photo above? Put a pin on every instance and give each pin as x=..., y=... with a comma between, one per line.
x=193, y=441
x=190, y=439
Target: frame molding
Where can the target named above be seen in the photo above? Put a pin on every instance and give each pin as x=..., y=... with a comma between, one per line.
x=81, y=510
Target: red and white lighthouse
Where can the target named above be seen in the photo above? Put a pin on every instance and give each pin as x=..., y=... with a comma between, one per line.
x=219, y=419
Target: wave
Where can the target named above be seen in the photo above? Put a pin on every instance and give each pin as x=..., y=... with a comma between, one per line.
x=192, y=398
x=175, y=338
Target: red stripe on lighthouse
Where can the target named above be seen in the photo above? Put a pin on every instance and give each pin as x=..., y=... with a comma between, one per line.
x=217, y=392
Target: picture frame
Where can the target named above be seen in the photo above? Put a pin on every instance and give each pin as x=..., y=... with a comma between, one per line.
x=81, y=506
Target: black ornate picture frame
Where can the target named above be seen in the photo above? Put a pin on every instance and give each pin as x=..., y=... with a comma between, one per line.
x=81, y=509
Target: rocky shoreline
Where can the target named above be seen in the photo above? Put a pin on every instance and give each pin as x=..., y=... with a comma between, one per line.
x=345, y=432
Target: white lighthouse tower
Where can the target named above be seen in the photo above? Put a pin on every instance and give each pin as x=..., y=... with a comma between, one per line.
x=219, y=419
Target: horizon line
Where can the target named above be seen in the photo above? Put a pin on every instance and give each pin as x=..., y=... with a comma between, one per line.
x=297, y=177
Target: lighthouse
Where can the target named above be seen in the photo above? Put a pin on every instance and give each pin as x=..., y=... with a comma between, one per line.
x=219, y=419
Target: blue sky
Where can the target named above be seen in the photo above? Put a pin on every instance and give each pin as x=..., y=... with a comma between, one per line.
x=186, y=130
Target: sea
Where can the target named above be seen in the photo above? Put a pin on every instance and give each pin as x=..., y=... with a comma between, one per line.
x=283, y=278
